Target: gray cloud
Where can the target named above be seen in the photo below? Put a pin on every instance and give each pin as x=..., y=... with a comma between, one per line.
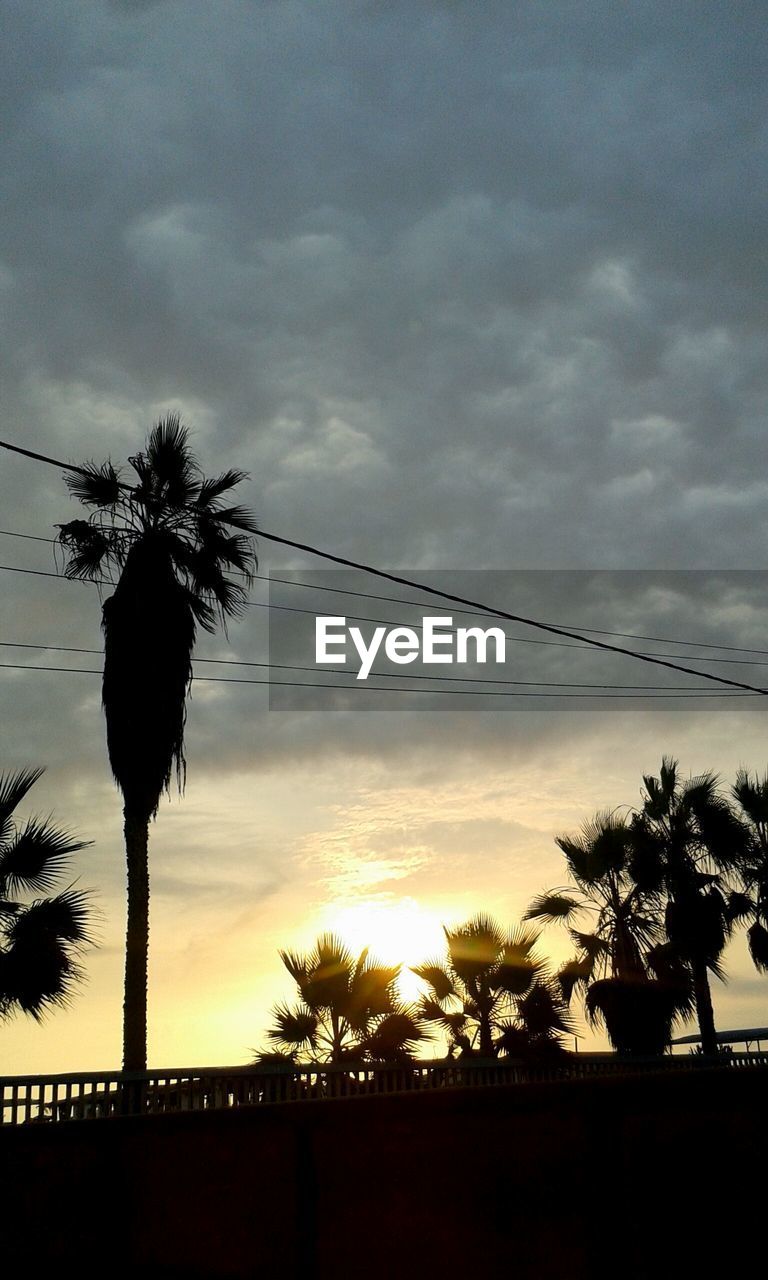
x=461, y=286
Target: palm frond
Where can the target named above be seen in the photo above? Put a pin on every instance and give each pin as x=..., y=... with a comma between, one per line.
x=430, y=1011
x=371, y=993
x=13, y=788
x=648, y=857
x=474, y=947
x=752, y=795
x=37, y=975
x=542, y=1011
x=295, y=963
x=211, y=490
x=274, y=1057
x=739, y=906
x=437, y=978
x=202, y=613
x=66, y=918
x=757, y=938
x=39, y=941
x=512, y=1041
x=329, y=973
x=602, y=846
x=591, y=944
x=519, y=965
x=90, y=549
x=231, y=598
x=294, y=1027
x=395, y=1037
x=234, y=550
x=168, y=470
x=725, y=837
x=673, y=973
x=37, y=856
x=552, y=907
x=239, y=518
x=95, y=486
x=575, y=973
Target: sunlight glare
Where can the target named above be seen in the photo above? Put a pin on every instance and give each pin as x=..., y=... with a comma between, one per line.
x=395, y=932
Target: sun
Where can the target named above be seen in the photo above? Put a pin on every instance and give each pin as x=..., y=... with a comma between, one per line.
x=395, y=932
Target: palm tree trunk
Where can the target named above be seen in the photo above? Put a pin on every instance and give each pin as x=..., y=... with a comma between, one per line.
x=136, y=942
x=704, y=1010
x=486, y=1030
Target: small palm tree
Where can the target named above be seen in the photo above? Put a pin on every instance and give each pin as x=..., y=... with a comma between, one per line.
x=171, y=541
x=348, y=1009
x=492, y=993
x=689, y=845
x=622, y=966
x=41, y=940
x=751, y=795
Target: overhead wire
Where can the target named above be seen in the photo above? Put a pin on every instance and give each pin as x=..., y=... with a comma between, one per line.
x=417, y=604
x=453, y=597
x=356, y=617
x=472, y=693
x=388, y=675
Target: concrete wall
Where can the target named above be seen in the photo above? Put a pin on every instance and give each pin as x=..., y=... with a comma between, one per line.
x=634, y=1178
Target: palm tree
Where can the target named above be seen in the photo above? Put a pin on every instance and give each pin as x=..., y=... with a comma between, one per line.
x=171, y=542
x=689, y=845
x=630, y=981
x=751, y=795
x=40, y=941
x=492, y=993
x=348, y=1009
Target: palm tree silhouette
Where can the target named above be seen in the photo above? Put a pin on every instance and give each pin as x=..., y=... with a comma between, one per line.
x=751, y=795
x=40, y=941
x=689, y=844
x=348, y=1009
x=172, y=543
x=492, y=993
x=630, y=979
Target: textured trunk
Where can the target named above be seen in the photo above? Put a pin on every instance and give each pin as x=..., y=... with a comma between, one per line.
x=136, y=942
x=704, y=1010
x=487, y=1049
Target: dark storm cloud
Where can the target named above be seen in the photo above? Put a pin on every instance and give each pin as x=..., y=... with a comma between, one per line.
x=461, y=286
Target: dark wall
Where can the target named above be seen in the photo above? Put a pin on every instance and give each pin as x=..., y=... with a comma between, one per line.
x=633, y=1178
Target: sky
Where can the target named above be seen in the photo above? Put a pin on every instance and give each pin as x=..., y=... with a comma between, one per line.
x=464, y=288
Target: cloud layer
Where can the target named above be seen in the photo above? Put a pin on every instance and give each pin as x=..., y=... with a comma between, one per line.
x=461, y=286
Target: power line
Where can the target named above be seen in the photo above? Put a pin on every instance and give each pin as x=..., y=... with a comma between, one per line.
x=40, y=572
x=478, y=605
x=417, y=604
x=41, y=457
x=357, y=617
x=384, y=675
x=30, y=537
x=504, y=613
x=471, y=693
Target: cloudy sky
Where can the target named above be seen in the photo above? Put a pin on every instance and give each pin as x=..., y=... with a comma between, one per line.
x=463, y=288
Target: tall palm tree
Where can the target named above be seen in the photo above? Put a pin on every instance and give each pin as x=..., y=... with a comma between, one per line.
x=348, y=1008
x=492, y=993
x=40, y=941
x=630, y=981
x=171, y=542
x=690, y=845
x=751, y=795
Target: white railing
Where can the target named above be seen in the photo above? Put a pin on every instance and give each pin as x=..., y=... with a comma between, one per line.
x=100, y=1094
